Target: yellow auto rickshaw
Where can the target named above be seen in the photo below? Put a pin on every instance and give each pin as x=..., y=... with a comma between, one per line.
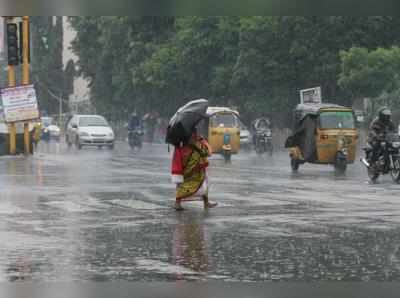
x=323, y=134
x=223, y=131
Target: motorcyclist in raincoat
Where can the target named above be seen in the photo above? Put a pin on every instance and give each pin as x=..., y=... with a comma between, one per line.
x=134, y=122
x=379, y=127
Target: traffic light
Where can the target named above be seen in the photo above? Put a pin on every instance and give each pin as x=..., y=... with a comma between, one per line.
x=13, y=44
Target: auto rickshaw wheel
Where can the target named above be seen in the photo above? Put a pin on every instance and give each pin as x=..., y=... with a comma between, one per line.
x=373, y=174
x=395, y=173
x=340, y=163
x=227, y=156
x=341, y=166
x=295, y=164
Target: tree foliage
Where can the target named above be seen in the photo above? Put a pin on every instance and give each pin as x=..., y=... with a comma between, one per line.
x=256, y=63
x=47, y=62
x=370, y=73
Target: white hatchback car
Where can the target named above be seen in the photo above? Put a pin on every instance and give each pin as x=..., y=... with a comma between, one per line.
x=245, y=137
x=89, y=130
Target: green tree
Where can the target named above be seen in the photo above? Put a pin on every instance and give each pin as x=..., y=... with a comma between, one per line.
x=112, y=52
x=47, y=62
x=196, y=62
x=257, y=63
x=370, y=73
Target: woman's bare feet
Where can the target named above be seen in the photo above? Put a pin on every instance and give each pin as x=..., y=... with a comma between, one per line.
x=209, y=205
x=178, y=206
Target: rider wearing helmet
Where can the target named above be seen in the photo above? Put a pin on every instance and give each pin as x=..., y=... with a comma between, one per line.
x=379, y=128
x=258, y=126
x=134, y=122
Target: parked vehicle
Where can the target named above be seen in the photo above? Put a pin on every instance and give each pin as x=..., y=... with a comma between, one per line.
x=387, y=159
x=323, y=134
x=89, y=130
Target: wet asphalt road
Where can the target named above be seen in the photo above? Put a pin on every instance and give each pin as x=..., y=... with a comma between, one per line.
x=107, y=215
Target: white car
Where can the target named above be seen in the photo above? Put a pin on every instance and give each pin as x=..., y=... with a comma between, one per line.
x=89, y=130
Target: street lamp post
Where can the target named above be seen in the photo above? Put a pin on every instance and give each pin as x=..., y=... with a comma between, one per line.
x=59, y=98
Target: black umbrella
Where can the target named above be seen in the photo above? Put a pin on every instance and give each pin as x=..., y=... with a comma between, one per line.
x=184, y=121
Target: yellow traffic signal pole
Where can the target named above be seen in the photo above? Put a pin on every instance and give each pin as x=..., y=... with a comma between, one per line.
x=12, y=82
x=12, y=130
x=25, y=75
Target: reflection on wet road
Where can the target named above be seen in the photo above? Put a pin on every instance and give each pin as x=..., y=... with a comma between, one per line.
x=107, y=215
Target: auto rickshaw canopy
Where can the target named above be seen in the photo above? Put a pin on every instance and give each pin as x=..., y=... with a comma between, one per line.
x=216, y=110
x=304, y=110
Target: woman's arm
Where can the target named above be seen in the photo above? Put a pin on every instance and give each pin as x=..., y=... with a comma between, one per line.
x=177, y=166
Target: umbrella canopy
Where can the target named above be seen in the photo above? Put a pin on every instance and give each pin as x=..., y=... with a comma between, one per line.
x=151, y=115
x=184, y=121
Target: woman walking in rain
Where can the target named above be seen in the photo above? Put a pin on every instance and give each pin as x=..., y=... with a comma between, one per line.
x=190, y=159
x=189, y=171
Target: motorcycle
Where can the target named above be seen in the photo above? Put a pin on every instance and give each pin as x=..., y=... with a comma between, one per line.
x=264, y=142
x=135, y=138
x=45, y=134
x=387, y=160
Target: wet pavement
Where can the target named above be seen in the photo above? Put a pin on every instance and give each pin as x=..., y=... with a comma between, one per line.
x=107, y=215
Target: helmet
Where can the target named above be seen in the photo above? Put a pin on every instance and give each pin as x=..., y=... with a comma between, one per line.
x=385, y=114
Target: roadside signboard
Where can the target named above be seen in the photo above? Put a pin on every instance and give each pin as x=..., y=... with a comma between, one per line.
x=312, y=95
x=19, y=104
